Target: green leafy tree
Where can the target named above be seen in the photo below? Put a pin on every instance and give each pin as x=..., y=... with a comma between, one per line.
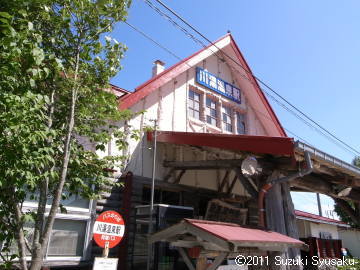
x=54, y=66
x=349, y=212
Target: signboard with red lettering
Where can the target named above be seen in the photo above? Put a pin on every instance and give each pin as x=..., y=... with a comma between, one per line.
x=109, y=228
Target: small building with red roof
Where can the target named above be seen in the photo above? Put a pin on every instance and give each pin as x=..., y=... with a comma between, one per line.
x=321, y=234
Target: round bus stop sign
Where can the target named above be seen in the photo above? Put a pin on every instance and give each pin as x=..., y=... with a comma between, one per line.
x=109, y=228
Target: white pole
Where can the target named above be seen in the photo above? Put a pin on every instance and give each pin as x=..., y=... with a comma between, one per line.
x=150, y=246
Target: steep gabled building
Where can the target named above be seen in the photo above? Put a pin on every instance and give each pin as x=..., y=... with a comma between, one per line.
x=221, y=155
x=211, y=116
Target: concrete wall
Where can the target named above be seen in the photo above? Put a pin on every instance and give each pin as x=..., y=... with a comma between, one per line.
x=351, y=240
x=304, y=228
x=311, y=229
x=317, y=228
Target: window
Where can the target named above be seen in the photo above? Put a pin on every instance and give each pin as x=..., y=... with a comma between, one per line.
x=240, y=121
x=227, y=119
x=70, y=233
x=194, y=104
x=67, y=238
x=211, y=114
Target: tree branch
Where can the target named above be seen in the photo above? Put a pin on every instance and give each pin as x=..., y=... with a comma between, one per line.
x=348, y=210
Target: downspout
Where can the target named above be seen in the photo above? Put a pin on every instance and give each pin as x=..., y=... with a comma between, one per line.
x=261, y=200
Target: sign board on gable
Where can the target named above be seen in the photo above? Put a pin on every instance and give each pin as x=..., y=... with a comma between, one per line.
x=105, y=263
x=109, y=227
x=218, y=85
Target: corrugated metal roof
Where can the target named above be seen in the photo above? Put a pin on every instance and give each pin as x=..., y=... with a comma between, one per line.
x=320, y=219
x=235, y=233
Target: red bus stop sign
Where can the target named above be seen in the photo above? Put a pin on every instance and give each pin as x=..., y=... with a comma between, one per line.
x=109, y=227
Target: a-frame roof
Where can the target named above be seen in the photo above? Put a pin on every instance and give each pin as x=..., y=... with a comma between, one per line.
x=225, y=44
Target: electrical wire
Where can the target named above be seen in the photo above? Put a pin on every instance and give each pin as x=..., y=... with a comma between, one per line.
x=309, y=124
x=152, y=40
x=264, y=115
x=177, y=57
x=246, y=70
x=272, y=97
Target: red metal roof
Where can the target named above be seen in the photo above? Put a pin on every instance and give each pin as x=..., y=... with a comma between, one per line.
x=318, y=218
x=142, y=90
x=235, y=233
x=247, y=143
x=257, y=86
x=118, y=91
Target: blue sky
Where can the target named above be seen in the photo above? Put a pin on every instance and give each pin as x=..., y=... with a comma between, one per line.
x=308, y=51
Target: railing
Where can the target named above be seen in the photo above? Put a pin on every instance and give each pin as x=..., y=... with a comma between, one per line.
x=326, y=157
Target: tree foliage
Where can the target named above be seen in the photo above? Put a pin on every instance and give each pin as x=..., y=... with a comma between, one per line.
x=349, y=212
x=55, y=63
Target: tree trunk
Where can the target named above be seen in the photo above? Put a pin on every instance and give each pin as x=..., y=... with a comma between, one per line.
x=38, y=257
x=20, y=238
x=40, y=215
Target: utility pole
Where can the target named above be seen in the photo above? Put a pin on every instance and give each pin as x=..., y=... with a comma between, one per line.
x=150, y=246
x=319, y=204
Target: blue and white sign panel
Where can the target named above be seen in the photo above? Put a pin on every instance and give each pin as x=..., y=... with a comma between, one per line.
x=218, y=85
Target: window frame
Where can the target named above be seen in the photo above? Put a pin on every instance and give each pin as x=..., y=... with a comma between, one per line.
x=229, y=116
x=209, y=109
x=241, y=121
x=192, y=110
x=85, y=254
x=74, y=214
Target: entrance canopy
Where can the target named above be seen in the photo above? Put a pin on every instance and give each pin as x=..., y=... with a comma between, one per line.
x=330, y=175
x=248, y=143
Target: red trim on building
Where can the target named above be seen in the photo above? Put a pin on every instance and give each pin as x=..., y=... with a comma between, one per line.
x=178, y=64
x=317, y=217
x=254, y=144
x=257, y=87
x=149, y=86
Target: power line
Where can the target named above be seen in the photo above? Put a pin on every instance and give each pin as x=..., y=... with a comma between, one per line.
x=309, y=124
x=252, y=82
x=204, y=45
x=258, y=79
x=281, y=104
x=177, y=57
x=152, y=40
x=191, y=36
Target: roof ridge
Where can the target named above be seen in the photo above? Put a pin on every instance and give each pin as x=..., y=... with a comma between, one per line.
x=315, y=216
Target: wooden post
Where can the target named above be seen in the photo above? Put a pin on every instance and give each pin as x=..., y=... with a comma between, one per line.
x=290, y=220
x=106, y=250
x=201, y=263
x=186, y=258
x=275, y=219
x=280, y=218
